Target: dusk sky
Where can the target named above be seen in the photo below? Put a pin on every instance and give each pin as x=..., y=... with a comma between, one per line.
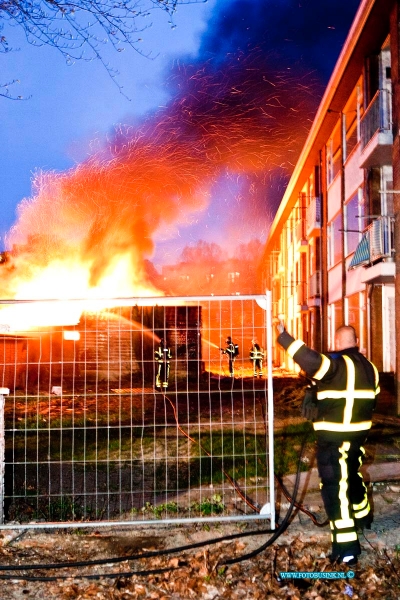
x=229, y=92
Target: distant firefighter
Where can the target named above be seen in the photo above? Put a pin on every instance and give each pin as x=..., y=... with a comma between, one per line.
x=256, y=357
x=162, y=356
x=232, y=351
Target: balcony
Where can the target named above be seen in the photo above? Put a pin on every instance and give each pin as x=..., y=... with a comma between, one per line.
x=301, y=292
x=376, y=251
x=313, y=217
x=381, y=238
x=376, y=131
x=301, y=235
x=314, y=285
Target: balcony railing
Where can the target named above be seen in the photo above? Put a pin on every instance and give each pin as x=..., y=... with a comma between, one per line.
x=314, y=285
x=314, y=215
x=376, y=244
x=377, y=117
x=300, y=230
x=381, y=238
x=301, y=292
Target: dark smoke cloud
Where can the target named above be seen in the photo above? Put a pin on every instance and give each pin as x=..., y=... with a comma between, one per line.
x=299, y=41
x=306, y=34
x=263, y=66
x=241, y=110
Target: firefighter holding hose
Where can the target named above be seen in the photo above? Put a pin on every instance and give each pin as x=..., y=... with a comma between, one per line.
x=346, y=385
x=162, y=357
x=232, y=351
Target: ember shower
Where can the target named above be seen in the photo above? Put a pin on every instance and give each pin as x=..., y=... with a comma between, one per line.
x=241, y=114
x=107, y=210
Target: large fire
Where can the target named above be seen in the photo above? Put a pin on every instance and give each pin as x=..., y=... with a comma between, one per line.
x=87, y=233
x=65, y=280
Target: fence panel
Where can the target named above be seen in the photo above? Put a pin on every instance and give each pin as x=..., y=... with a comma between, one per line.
x=88, y=437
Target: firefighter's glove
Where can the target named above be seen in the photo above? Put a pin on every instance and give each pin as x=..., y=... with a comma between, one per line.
x=280, y=327
x=309, y=407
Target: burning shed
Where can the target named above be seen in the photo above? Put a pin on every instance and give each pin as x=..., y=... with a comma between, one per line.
x=114, y=345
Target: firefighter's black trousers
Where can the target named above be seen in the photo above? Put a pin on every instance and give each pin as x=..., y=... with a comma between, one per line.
x=343, y=492
x=257, y=366
x=162, y=375
x=231, y=366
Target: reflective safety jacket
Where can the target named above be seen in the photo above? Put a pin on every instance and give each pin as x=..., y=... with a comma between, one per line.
x=230, y=350
x=347, y=385
x=256, y=352
x=162, y=354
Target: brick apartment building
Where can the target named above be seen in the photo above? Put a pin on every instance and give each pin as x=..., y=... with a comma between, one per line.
x=334, y=246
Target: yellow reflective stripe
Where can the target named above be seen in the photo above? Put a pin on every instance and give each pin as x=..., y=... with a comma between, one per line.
x=376, y=376
x=347, y=427
x=344, y=523
x=294, y=346
x=351, y=384
x=344, y=503
x=364, y=503
x=323, y=368
x=335, y=394
x=346, y=537
x=361, y=505
x=376, y=373
x=362, y=513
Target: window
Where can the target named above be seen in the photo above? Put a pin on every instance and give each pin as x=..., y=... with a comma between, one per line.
x=353, y=312
x=351, y=120
x=356, y=317
x=335, y=320
x=386, y=188
x=379, y=186
x=335, y=241
x=334, y=154
x=352, y=224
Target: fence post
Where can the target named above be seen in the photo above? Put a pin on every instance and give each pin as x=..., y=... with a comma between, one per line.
x=270, y=407
x=266, y=303
x=3, y=392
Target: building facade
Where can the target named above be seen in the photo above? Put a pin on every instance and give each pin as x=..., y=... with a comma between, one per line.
x=330, y=258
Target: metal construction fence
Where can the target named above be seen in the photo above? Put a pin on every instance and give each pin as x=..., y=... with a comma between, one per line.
x=97, y=428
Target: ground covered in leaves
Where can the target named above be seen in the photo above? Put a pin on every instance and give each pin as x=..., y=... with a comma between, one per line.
x=178, y=562
x=231, y=568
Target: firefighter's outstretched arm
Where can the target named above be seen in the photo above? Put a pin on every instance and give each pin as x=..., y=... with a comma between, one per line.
x=314, y=364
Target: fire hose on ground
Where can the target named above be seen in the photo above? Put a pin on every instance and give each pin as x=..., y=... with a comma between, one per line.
x=177, y=550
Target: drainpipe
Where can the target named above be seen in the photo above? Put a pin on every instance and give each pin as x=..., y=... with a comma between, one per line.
x=370, y=288
x=395, y=59
x=323, y=263
x=342, y=209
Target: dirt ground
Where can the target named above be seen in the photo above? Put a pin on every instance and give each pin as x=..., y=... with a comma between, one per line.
x=171, y=569
x=211, y=561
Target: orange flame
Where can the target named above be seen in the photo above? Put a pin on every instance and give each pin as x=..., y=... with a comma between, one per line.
x=88, y=232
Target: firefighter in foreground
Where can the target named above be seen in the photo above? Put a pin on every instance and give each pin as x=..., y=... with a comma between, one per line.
x=346, y=388
x=162, y=356
x=256, y=357
x=232, y=351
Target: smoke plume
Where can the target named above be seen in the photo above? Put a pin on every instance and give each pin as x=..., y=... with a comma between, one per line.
x=239, y=111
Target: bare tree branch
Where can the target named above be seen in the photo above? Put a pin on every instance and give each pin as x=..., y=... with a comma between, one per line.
x=80, y=29
x=5, y=91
